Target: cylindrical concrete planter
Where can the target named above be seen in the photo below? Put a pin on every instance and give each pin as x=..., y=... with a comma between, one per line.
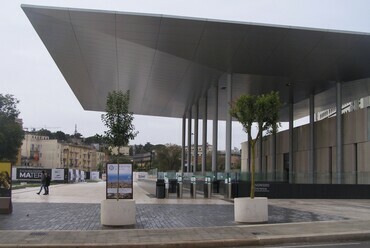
x=118, y=213
x=247, y=210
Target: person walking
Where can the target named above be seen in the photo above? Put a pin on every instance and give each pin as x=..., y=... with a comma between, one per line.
x=43, y=181
x=47, y=183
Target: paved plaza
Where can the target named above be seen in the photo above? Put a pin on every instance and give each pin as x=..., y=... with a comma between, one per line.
x=73, y=211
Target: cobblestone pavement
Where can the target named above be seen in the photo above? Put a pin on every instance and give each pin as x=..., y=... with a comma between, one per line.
x=84, y=216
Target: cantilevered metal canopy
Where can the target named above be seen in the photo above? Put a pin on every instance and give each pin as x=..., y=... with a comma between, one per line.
x=168, y=62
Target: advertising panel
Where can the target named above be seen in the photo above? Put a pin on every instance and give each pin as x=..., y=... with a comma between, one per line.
x=119, y=181
x=94, y=175
x=70, y=175
x=5, y=179
x=57, y=175
x=31, y=173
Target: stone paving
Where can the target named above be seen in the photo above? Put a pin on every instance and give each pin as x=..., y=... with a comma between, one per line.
x=70, y=217
x=84, y=216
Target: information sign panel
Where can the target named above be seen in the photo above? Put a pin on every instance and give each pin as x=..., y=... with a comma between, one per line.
x=119, y=181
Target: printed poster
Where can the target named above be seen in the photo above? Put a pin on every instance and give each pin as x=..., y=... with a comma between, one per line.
x=57, y=175
x=5, y=179
x=119, y=181
x=94, y=175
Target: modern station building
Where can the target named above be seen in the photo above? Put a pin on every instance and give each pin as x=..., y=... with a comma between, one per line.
x=193, y=68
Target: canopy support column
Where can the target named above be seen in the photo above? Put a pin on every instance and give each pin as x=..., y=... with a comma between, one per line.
x=189, y=140
x=228, y=124
x=204, y=140
x=215, y=132
x=183, y=137
x=311, y=168
x=196, y=132
x=339, y=134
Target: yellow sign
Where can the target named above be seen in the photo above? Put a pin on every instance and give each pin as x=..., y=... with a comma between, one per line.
x=5, y=179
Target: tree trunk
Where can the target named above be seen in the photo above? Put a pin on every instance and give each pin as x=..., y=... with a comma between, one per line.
x=118, y=178
x=252, y=168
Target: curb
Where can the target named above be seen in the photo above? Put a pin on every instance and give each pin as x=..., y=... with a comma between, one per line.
x=260, y=240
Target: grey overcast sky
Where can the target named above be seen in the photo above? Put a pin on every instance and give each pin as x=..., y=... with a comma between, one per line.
x=29, y=73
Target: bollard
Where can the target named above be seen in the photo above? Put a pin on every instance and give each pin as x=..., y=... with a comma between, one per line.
x=179, y=190
x=167, y=186
x=193, y=188
x=179, y=187
x=207, y=187
x=227, y=188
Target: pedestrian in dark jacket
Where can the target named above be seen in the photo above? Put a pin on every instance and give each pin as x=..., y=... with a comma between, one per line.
x=47, y=183
x=43, y=181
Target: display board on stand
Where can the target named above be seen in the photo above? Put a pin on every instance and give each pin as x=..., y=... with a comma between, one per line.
x=119, y=183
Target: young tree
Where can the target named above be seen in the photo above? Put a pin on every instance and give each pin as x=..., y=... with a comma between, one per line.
x=263, y=110
x=118, y=119
x=11, y=133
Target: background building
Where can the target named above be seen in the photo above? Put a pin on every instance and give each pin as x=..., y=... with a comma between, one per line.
x=40, y=151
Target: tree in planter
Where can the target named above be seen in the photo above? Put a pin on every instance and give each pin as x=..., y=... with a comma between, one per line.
x=118, y=119
x=263, y=110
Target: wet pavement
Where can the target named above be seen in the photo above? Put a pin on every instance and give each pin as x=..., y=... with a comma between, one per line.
x=47, y=215
x=70, y=217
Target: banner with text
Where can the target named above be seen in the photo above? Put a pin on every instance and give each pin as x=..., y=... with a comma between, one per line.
x=31, y=173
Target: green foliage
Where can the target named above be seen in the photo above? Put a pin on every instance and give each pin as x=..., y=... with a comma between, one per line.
x=11, y=133
x=118, y=119
x=168, y=158
x=59, y=135
x=264, y=110
x=139, y=149
x=45, y=132
x=96, y=139
x=101, y=167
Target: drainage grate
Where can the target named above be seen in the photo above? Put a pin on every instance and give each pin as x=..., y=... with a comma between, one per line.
x=38, y=234
x=260, y=233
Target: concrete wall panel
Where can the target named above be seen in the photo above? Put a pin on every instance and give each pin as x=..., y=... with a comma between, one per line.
x=361, y=125
x=302, y=138
x=349, y=128
x=279, y=167
x=301, y=166
x=323, y=165
x=322, y=133
x=282, y=142
x=332, y=125
x=349, y=163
